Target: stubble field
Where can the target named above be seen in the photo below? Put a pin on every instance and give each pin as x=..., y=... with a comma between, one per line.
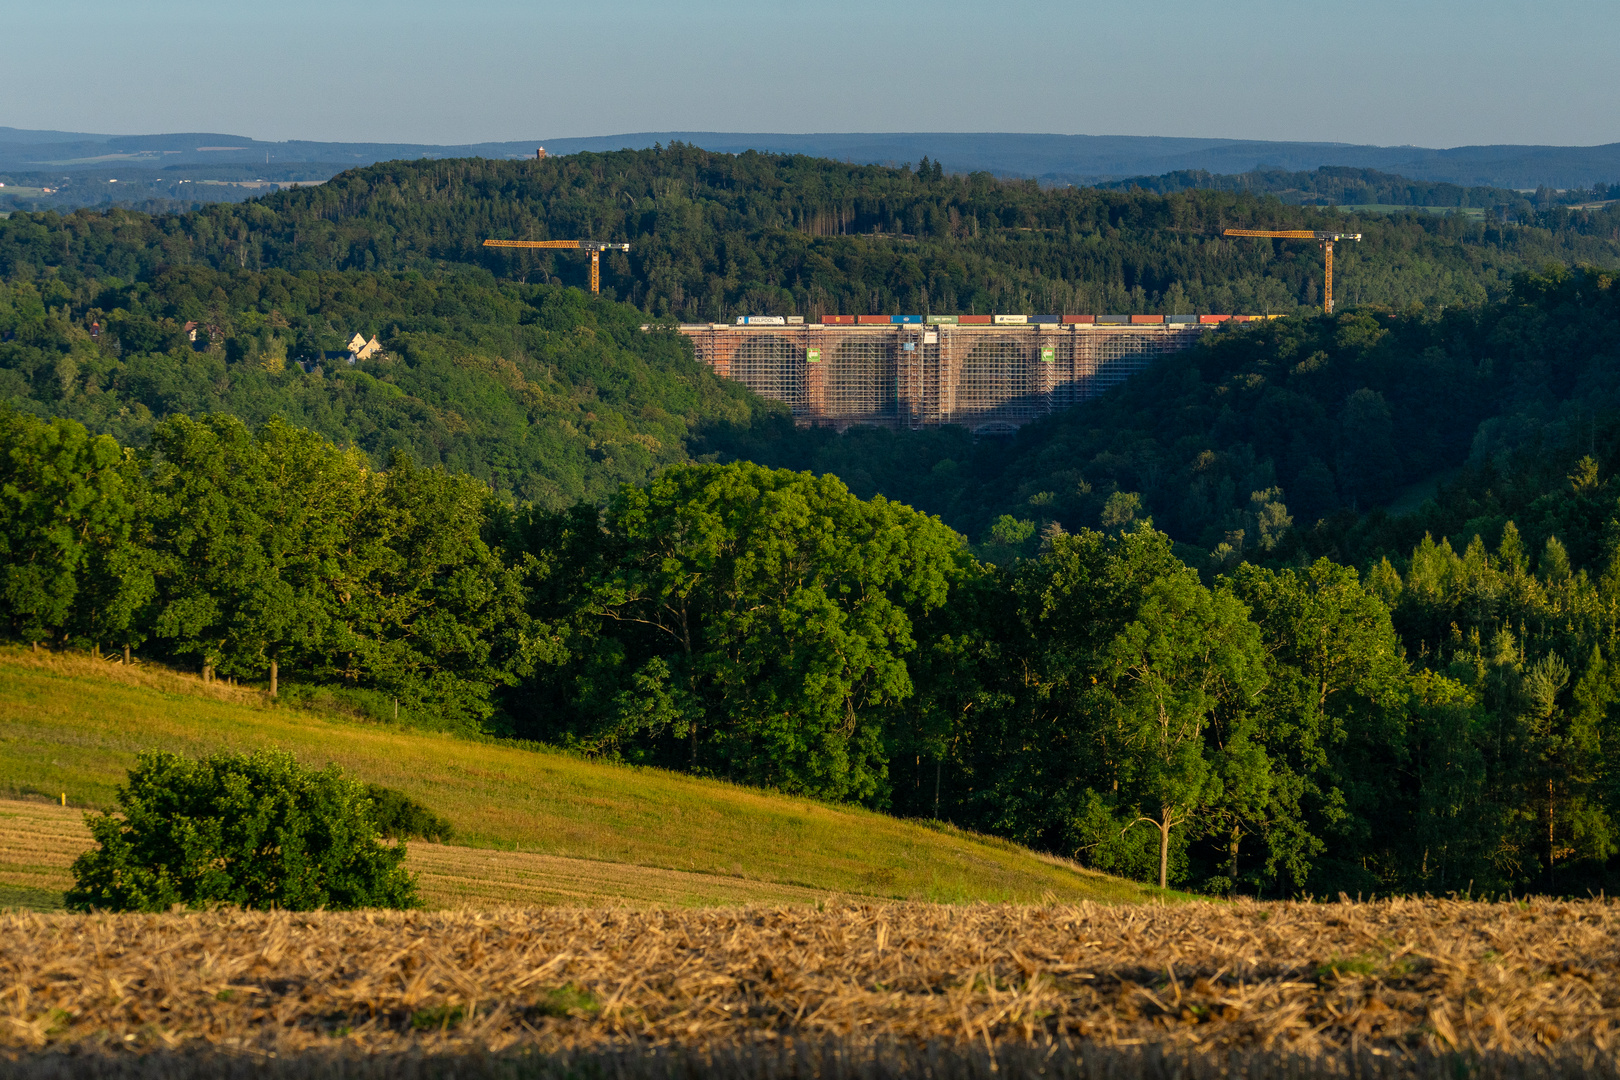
x=1396, y=988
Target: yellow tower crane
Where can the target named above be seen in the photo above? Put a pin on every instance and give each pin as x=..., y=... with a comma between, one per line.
x=1326, y=238
x=595, y=247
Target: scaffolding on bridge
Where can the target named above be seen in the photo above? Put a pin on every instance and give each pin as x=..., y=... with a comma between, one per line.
x=986, y=378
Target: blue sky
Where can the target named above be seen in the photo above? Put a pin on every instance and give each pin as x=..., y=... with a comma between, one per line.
x=1428, y=72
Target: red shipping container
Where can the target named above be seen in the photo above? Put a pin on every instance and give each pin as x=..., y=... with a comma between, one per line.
x=1213, y=318
x=974, y=320
x=838, y=320
x=874, y=320
x=1079, y=318
x=1244, y=318
x=1146, y=320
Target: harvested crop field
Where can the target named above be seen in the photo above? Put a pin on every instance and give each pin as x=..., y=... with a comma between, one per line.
x=1386, y=988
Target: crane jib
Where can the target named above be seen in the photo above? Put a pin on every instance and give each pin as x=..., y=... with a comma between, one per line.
x=1292, y=234
x=1327, y=239
x=595, y=247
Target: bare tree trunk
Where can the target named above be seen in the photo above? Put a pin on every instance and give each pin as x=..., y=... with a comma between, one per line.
x=274, y=671
x=939, y=763
x=1164, y=850
x=127, y=660
x=1552, y=851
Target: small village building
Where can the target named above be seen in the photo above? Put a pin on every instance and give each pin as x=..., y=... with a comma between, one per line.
x=361, y=349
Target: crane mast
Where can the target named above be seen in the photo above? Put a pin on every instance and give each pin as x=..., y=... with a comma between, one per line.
x=1326, y=238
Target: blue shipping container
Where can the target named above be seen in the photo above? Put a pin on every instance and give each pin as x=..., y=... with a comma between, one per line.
x=907, y=318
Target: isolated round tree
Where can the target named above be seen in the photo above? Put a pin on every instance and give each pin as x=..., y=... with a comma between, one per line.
x=251, y=830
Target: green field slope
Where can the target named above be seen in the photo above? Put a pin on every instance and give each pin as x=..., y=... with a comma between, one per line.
x=72, y=725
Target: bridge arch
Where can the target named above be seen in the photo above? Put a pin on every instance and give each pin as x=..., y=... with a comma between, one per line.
x=772, y=367
x=859, y=381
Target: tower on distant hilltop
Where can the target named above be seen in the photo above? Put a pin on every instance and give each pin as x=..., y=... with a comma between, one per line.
x=540, y=153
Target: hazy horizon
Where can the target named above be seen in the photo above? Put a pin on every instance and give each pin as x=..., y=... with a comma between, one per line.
x=1429, y=73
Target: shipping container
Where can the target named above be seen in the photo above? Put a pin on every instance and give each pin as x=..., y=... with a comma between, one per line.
x=794, y=320
x=1113, y=320
x=1181, y=318
x=1010, y=320
x=938, y=320
x=1044, y=320
x=1079, y=318
x=1206, y=319
x=837, y=320
x=906, y=318
x=761, y=320
x=1244, y=318
x=873, y=320
x=973, y=320
x=1147, y=320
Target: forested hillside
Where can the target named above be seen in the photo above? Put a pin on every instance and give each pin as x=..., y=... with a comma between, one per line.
x=713, y=235
x=1239, y=447
x=539, y=390
x=1338, y=185
x=491, y=366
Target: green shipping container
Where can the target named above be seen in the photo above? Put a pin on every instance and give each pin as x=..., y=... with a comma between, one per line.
x=942, y=319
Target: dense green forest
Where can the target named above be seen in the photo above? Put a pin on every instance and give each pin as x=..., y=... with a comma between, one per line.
x=1446, y=721
x=714, y=235
x=536, y=389
x=1338, y=185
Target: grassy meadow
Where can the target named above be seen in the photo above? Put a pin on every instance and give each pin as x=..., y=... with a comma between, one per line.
x=71, y=725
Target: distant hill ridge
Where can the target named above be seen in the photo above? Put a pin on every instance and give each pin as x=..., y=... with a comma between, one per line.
x=1060, y=158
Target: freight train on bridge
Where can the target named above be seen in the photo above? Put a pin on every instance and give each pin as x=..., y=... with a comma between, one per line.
x=989, y=373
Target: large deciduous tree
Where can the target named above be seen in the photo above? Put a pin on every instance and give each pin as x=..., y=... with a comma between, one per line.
x=68, y=504
x=749, y=622
x=1125, y=697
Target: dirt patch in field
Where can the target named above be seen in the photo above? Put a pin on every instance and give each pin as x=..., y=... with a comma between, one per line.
x=1401, y=978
